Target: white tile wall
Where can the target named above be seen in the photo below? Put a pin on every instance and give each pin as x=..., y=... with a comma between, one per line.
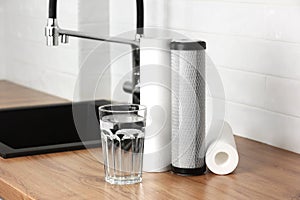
x=283, y=96
x=93, y=11
x=274, y=2
x=266, y=21
x=123, y=15
x=269, y=127
x=257, y=50
x=121, y=21
x=255, y=45
x=121, y=71
x=275, y=58
x=61, y=84
x=28, y=60
x=243, y=87
x=94, y=56
x=54, y=70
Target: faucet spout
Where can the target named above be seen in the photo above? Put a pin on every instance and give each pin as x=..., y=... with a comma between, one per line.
x=53, y=34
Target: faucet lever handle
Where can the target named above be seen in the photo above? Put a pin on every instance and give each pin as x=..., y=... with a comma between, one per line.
x=64, y=39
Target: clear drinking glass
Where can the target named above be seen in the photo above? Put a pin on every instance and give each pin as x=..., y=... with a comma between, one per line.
x=122, y=134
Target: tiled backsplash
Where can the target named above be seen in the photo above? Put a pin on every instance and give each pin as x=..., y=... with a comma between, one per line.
x=94, y=55
x=28, y=60
x=50, y=69
x=255, y=46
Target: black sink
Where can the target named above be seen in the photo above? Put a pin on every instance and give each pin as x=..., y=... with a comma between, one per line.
x=50, y=128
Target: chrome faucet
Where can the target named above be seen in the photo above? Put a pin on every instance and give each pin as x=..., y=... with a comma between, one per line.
x=54, y=34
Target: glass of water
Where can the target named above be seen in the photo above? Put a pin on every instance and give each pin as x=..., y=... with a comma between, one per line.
x=122, y=134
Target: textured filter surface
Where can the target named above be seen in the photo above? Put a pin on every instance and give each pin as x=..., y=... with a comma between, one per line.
x=188, y=109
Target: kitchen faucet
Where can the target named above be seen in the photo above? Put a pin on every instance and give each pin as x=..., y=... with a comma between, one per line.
x=53, y=33
x=150, y=84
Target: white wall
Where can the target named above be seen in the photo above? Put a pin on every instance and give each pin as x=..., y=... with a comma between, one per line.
x=53, y=70
x=120, y=22
x=28, y=60
x=94, y=55
x=256, y=48
x=254, y=44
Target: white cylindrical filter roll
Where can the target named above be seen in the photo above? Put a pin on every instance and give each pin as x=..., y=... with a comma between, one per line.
x=222, y=157
x=155, y=83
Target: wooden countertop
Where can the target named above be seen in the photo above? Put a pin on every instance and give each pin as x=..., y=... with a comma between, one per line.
x=14, y=95
x=264, y=172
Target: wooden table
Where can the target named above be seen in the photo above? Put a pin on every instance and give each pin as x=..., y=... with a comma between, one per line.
x=264, y=172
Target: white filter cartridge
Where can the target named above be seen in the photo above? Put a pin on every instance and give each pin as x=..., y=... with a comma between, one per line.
x=188, y=107
x=155, y=84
